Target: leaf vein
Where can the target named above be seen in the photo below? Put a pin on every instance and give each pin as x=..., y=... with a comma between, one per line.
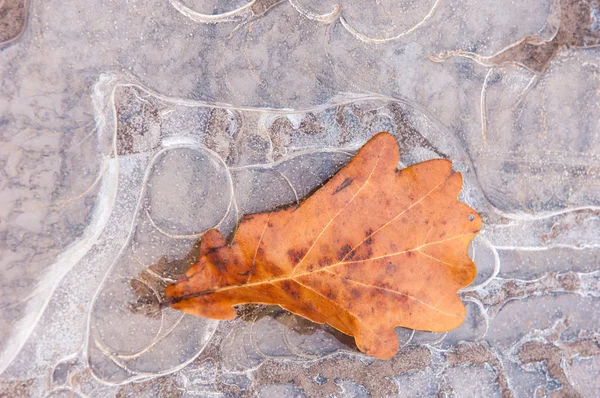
x=258, y=245
x=293, y=277
x=338, y=213
x=394, y=292
x=395, y=218
x=365, y=326
x=418, y=248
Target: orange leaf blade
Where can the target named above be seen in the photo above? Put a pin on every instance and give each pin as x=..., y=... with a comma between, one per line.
x=372, y=249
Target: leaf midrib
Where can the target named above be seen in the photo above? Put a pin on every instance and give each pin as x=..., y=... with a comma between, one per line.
x=324, y=269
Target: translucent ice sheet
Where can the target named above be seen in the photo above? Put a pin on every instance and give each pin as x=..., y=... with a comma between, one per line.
x=129, y=129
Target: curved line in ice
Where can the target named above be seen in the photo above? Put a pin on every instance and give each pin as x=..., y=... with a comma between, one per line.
x=218, y=159
x=64, y=263
x=371, y=40
x=494, y=273
x=14, y=39
x=229, y=16
x=322, y=18
x=114, y=82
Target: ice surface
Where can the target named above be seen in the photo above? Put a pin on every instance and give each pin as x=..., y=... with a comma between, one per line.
x=130, y=128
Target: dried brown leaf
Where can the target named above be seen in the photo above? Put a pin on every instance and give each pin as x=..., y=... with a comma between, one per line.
x=374, y=248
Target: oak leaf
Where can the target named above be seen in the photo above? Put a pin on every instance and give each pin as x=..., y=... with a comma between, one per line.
x=374, y=248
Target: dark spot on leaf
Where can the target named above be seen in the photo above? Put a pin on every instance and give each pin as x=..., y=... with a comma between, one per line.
x=344, y=251
x=390, y=268
x=296, y=255
x=386, y=285
x=213, y=249
x=294, y=293
x=369, y=239
x=345, y=184
x=286, y=286
x=275, y=270
x=355, y=293
x=220, y=265
x=331, y=294
x=325, y=261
